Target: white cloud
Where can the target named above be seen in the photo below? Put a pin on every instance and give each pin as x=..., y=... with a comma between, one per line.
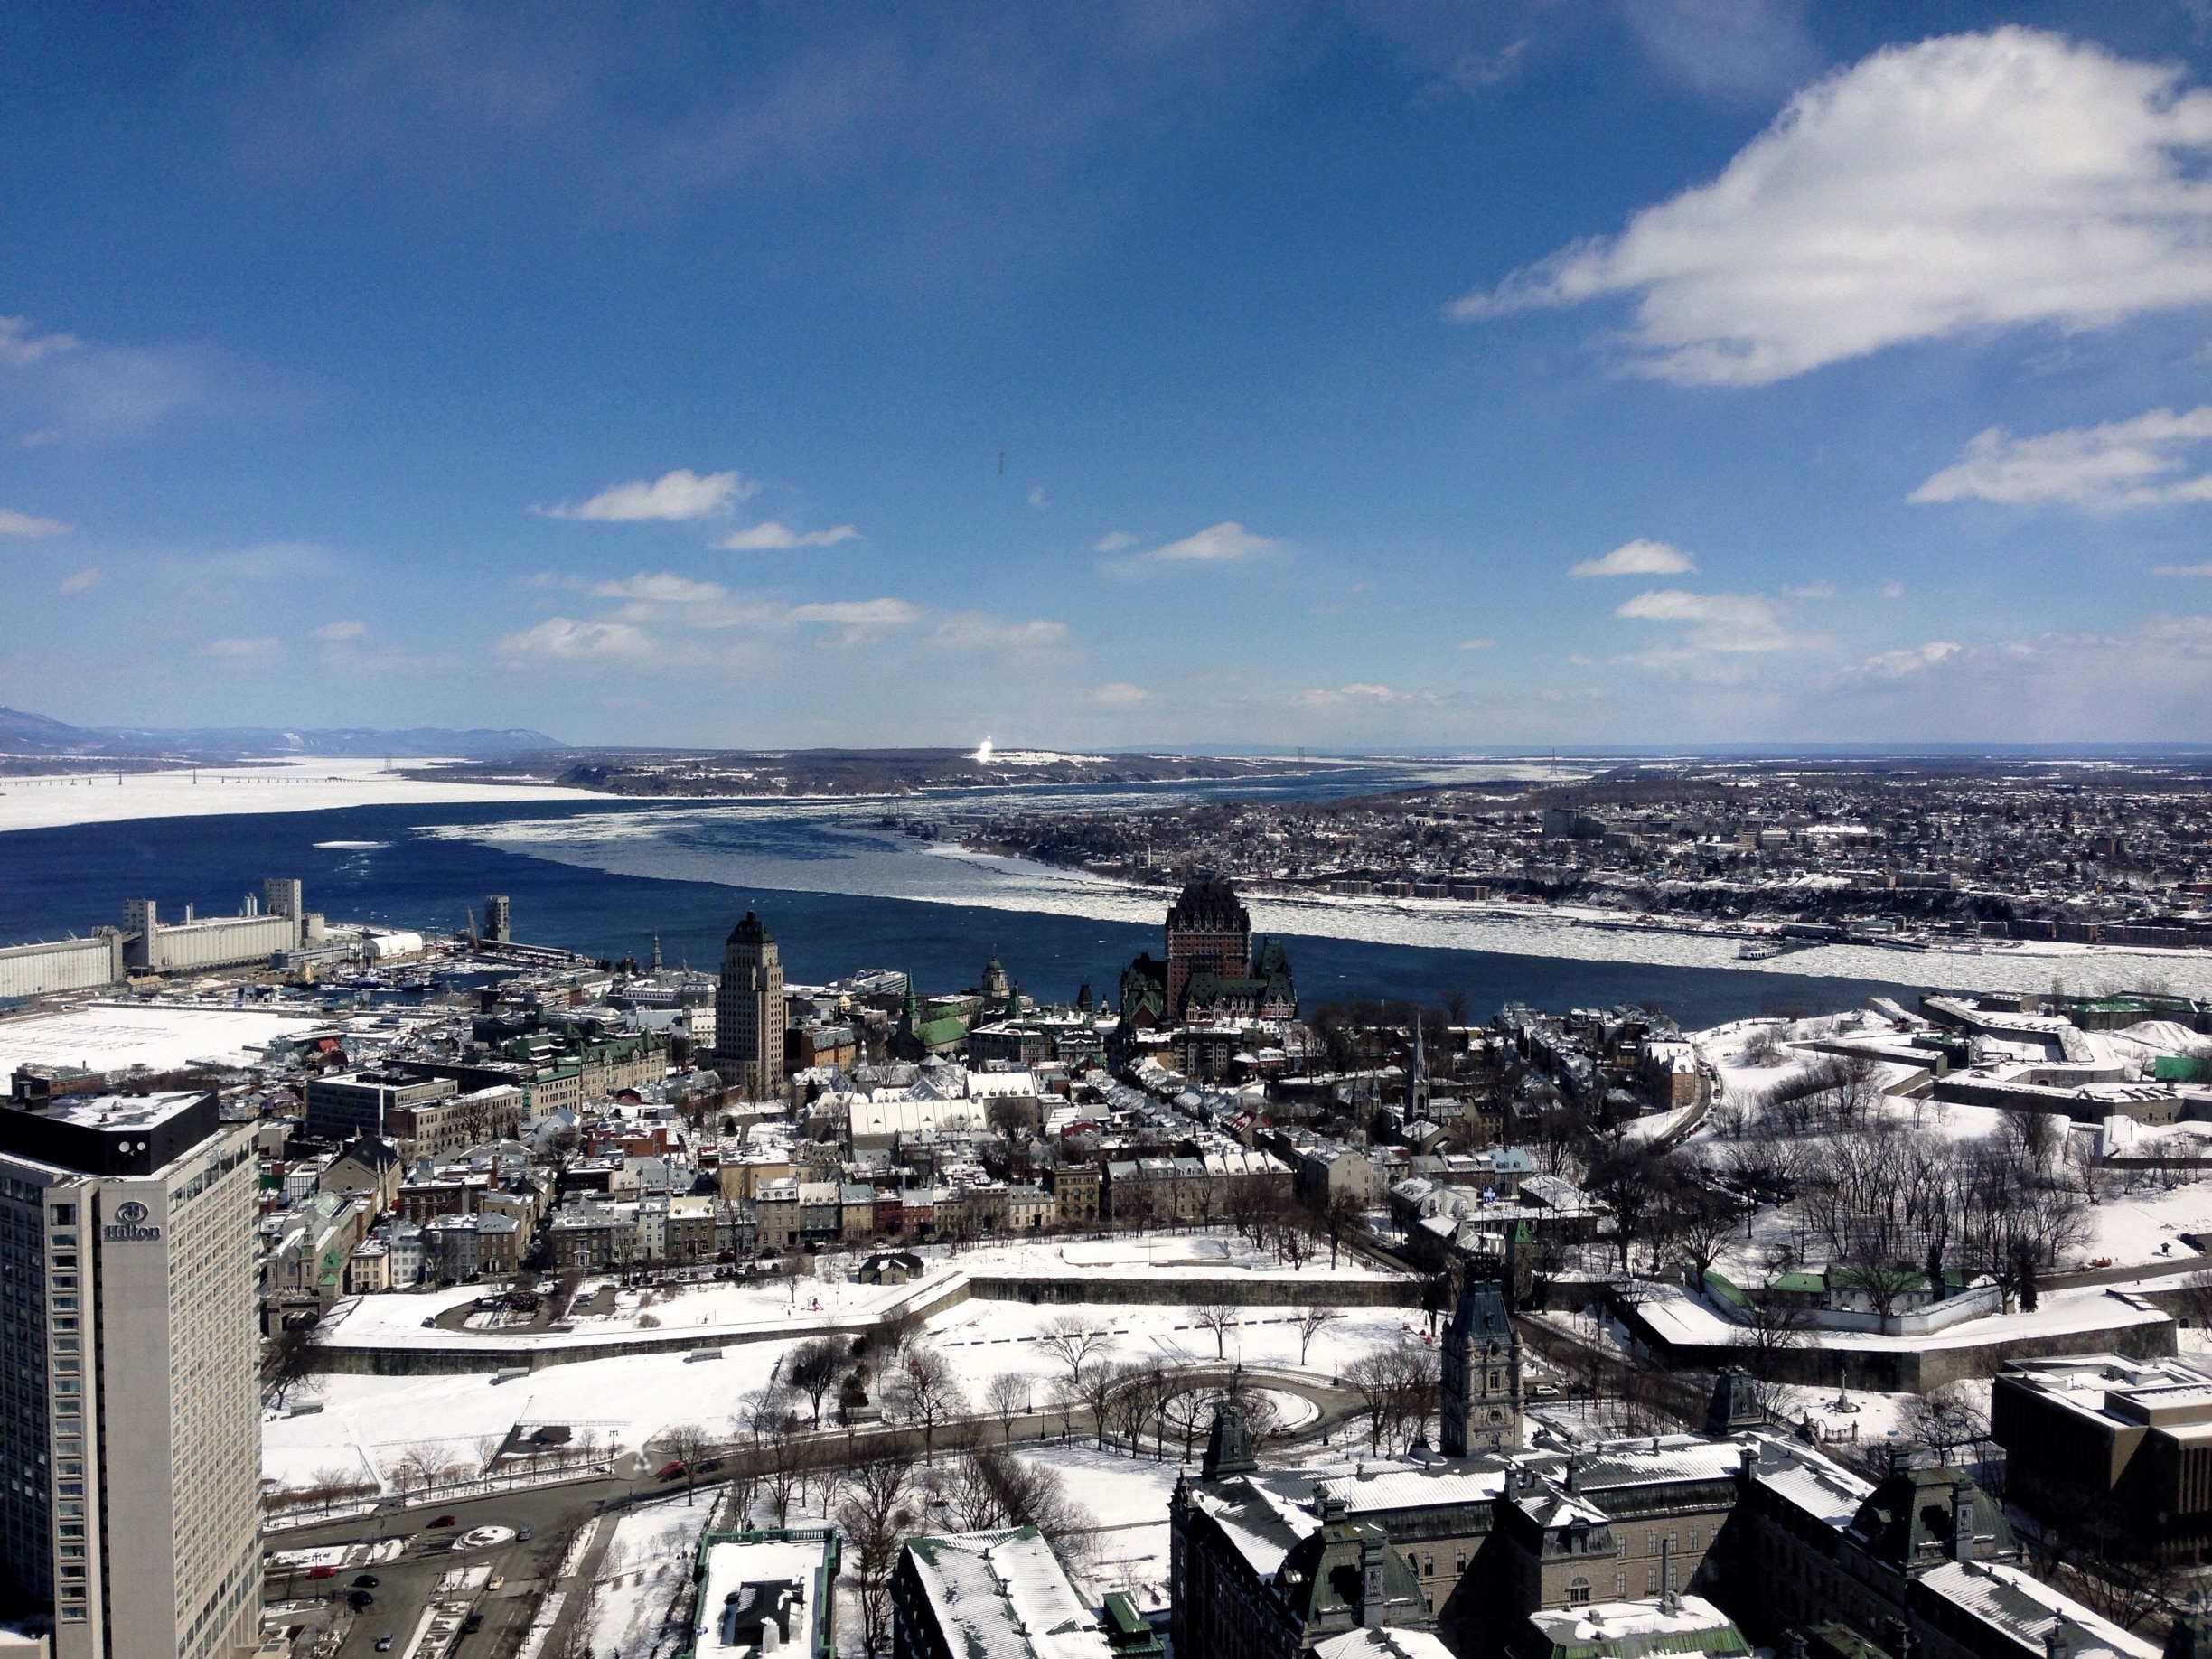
x=774, y=538
x=676, y=495
x=1119, y=694
x=1036, y=497
x=14, y=523
x=59, y=388
x=860, y=613
x=664, y=618
x=2181, y=570
x=861, y=622
x=244, y=650
x=567, y=640
x=974, y=629
x=84, y=581
x=1215, y=544
x=331, y=632
x=1637, y=557
x=2152, y=679
x=1898, y=664
x=1893, y=590
x=1352, y=697
x=664, y=588
x=2119, y=464
x=1964, y=182
x=1727, y=622
x=20, y=348
x=1476, y=644
x=1113, y=541
x=1732, y=48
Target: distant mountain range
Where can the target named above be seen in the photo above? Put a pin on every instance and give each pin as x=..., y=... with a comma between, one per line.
x=35, y=734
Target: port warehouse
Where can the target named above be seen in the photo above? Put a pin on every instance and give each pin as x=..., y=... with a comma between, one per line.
x=88, y=964
x=29, y=970
x=273, y=928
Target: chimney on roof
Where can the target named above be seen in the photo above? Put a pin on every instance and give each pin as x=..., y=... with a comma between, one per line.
x=1962, y=1523
x=1372, y=1594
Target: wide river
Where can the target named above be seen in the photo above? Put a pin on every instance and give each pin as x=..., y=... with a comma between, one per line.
x=841, y=892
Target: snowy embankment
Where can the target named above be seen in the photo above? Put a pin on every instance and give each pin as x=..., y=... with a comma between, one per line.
x=295, y=784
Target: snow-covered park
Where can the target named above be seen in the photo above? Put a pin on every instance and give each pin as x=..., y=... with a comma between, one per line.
x=368, y=1426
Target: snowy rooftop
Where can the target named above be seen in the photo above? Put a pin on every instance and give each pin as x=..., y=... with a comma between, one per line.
x=1688, y=1623
x=1385, y=1644
x=120, y=1111
x=1822, y=1490
x=1004, y=1595
x=2028, y=1610
x=779, y=1580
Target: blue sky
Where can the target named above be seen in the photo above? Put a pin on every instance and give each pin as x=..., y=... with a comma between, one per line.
x=1367, y=375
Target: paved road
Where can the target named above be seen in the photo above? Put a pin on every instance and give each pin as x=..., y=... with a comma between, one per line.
x=2175, y=1267
x=523, y=1570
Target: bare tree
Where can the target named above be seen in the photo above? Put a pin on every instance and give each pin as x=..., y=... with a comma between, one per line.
x=1634, y=1182
x=812, y=1368
x=1073, y=1341
x=1373, y=1379
x=288, y=1359
x=1188, y=1411
x=1341, y=1217
x=422, y=1465
x=967, y=1488
x=1311, y=1321
x=1066, y=1395
x=1135, y=1404
x=1096, y=1387
x=689, y=1444
x=1946, y=1420
x=926, y=1388
x=872, y=1517
x=1701, y=1225
x=1217, y=1317
x=1007, y=1398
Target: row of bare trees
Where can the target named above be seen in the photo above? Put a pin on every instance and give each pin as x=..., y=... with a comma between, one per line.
x=1397, y=1388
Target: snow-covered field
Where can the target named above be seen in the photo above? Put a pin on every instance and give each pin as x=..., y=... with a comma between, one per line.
x=793, y=1308
x=116, y=1035
x=647, y=1563
x=368, y=1424
x=296, y=784
x=1166, y=1256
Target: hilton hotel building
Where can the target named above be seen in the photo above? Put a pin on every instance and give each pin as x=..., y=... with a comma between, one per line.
x=129, y=1383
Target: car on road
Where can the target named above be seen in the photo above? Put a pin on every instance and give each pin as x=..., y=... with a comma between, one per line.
x=707, y=1466
x=384, y=1642
x=367, y=1580
x=322, y=1573
x=522, y=1535
x=360, y=1601
x=473, y=1622
x=431, y=1322
x=671, y=1470
x=443, y=1521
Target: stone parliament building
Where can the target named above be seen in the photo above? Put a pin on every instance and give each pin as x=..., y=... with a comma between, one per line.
x=1675, y=1544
